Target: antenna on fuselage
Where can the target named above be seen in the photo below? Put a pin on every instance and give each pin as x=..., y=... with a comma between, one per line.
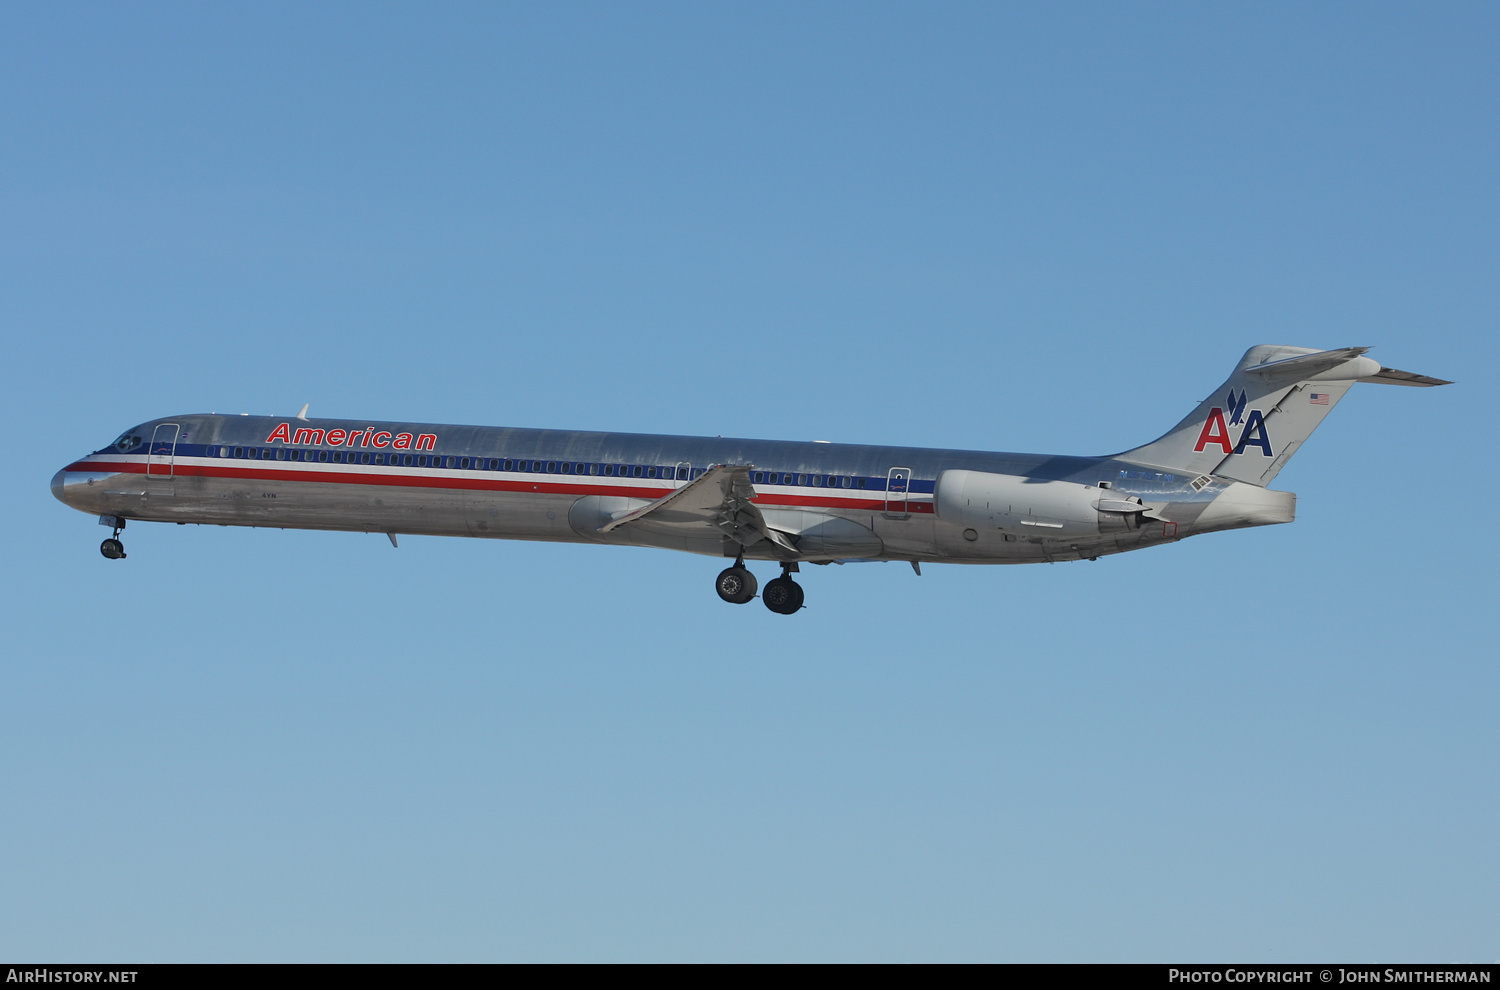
x=303, y=414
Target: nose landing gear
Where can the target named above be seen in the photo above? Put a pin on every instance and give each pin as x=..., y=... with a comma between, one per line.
x=112, y=547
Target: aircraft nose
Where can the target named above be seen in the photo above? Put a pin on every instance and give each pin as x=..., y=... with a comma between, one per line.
x=57, y=486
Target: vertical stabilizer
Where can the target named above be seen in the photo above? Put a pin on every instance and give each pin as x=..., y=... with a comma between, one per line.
x=1252, y=424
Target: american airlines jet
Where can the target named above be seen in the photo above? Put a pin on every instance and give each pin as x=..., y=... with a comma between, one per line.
x=790, y=503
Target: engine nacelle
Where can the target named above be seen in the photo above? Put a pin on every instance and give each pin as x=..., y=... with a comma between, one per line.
x=1031, y=507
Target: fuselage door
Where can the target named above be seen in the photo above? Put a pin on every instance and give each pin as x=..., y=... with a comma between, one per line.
x=897, y=486
x=162, y=454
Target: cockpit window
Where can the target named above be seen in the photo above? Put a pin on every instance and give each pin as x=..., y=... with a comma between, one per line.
x=128, y=441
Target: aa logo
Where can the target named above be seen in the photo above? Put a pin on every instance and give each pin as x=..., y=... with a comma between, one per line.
x=1215, y=431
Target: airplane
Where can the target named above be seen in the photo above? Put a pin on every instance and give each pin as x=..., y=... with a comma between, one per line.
x=790, y=503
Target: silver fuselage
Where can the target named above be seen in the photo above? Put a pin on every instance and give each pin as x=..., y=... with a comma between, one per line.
x=839, y=501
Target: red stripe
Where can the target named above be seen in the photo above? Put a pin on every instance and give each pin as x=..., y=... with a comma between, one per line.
x=474, y=484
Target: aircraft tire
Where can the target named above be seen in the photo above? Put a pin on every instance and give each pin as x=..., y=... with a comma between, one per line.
x=735, y=585
x=783, y=596
x=113, y=549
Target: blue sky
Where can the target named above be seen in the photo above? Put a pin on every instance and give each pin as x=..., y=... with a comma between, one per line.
x=1040, y=227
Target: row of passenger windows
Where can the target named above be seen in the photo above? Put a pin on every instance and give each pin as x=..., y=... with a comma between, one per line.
x=680, y=472
x=460, y=463
x=804, y=480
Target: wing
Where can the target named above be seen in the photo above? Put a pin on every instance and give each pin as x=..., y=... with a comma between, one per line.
x=719, y=499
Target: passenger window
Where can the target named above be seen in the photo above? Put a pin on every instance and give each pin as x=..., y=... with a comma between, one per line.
x=406, y=460
x=847, y=482
x=651, y=471
x=364, y=458
x=801, y=479
x=322, y=456
x=636, y=471
x=239, y=452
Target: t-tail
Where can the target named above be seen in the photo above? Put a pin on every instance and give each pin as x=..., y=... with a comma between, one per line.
x=1252, y=424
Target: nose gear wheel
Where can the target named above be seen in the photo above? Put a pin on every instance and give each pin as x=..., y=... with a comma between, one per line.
x=112, y=548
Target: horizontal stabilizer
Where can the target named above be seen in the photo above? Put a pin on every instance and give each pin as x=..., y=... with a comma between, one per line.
x=1390, y=376
x=1305, y=366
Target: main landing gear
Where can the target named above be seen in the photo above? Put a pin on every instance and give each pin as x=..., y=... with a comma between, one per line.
x=736, y=585
x=112, y=547
x=783, y=595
